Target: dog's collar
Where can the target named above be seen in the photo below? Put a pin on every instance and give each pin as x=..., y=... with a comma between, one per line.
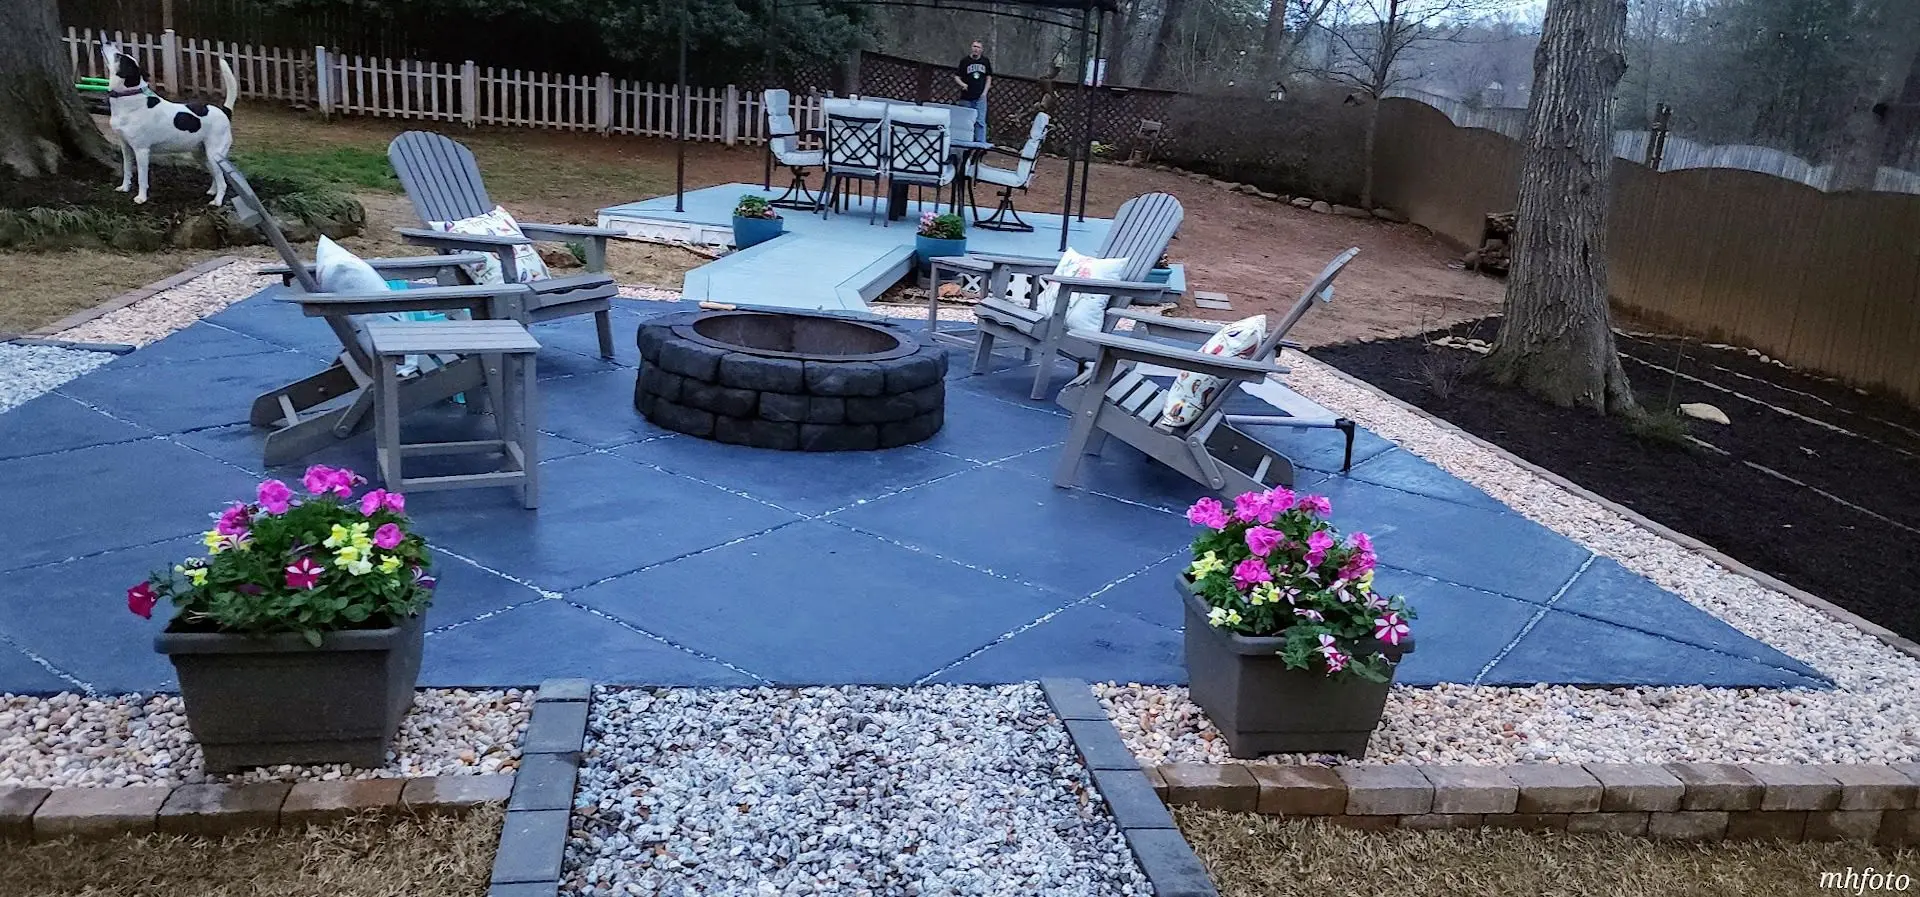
x=119, y=92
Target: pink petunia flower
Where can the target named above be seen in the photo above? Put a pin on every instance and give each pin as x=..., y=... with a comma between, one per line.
x=1317, y=545
x=1378, y=601
x=396, y=502
x=1313, y=504
x=372, y=502
x=234, y=520
x=1336, y=661
x=275, y=497
x=1390, y=628
x=1209, y=513
x=1249, y=573
x=1262, y=540
x=387, y=536
x=1256, y=507
x=303, y=574
x=1308, y=613
x=141, y=599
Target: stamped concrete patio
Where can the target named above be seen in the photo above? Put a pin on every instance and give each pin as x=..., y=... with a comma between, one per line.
x=661, y=559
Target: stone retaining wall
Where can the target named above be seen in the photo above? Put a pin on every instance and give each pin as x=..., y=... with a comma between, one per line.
x=1688, y=801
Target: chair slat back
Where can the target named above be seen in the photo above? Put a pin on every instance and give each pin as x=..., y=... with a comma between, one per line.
x=440, y=176
x=253, y=212
x=1320, y=289
x=918, y=142
x=782, y=134
x=1141, y=231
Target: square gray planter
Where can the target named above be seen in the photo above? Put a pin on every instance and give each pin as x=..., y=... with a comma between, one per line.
x=271, y=700
x=1262, y=707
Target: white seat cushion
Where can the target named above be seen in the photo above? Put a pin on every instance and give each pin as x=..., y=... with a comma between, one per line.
x=803, y=158
x=498, y=223
x=1190, y=391
x=988, y=174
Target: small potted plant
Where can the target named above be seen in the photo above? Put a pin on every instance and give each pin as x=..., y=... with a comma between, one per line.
x=297, y=638
x=1289, y=649
x=939, y=236
x=1162, y=270
x=755, y=221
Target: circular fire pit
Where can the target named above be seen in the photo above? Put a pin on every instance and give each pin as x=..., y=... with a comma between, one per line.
x=789, y=381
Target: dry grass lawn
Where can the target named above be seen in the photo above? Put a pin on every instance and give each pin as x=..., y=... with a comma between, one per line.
x=433, y=856
x=1264, y=856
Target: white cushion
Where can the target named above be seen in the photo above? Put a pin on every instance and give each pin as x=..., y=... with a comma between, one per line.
x=1085, y=311
x=802, y=158
x=1191, y=392
x=497, y=223
x=340, y=271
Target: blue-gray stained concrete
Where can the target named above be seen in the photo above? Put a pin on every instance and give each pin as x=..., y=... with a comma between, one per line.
x=660, y=559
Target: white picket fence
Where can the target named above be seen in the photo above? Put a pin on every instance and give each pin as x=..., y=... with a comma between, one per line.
x=338, y=84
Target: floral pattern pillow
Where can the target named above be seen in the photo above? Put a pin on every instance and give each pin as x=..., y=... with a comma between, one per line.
x=497, y=223
x=1191, y=392
x=1085, y=311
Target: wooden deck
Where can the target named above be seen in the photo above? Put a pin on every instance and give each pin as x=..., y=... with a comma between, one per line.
x=836, y=263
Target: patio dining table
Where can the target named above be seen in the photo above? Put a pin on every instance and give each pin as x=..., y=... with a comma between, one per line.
x=962, y=152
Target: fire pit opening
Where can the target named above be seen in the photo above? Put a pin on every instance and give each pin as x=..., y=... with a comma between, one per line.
x=793, y=381
x=799, y=336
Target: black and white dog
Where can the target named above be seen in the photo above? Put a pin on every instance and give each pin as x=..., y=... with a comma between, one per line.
x=148, y=124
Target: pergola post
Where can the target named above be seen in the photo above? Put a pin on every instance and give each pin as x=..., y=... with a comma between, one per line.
x=680, y=121
x=1086, y=125
x=1095, y=74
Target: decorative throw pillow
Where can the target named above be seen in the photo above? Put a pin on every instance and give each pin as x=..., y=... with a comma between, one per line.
x=340, y=271
x=497, y=223
x=1085, y=311
x=1191, y=392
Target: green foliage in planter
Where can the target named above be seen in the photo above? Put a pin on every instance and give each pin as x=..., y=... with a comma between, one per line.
x=308, y=564
x=754, y=207
x=943, y=227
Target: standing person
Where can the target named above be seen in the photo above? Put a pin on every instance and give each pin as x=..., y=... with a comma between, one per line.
x=974, y=74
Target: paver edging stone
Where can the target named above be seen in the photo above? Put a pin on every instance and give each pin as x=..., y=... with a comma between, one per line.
x=1750, y=801
x=130, y=297
x=533, y=838
x=1162, y=852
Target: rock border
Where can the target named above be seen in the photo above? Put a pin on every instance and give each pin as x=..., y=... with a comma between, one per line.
x=1157, y=844
x=46, y=814
x=533, y=841
x=1864, y=803
x=131, y=296
x=1839, y=614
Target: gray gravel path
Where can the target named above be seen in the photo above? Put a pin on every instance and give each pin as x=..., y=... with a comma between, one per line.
x=28, y=371
x=860, y=792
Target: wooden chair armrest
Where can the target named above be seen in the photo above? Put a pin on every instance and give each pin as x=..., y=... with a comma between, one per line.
x=569, y=230
x=485, y=300
x=1152, y=320
x=1014, y=261
x=1089, y=284
x=420, y=236
x=399, y=265
x=1127, y=348
x=1290, y=344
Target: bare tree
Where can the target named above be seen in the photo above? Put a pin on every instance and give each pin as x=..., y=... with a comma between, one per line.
x=1170, y=12
x=43, y=127
x=1371, y=38
x=1556, y=337
x=1288, y=24
x=1863, y=140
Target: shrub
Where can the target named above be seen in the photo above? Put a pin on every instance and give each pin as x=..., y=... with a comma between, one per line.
x=942, y=227
x=754, y=207
x=1312, y=143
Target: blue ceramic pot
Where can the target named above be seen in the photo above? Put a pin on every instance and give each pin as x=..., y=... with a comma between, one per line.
x=1160, y=275
x=927, y=248
x=748, y=231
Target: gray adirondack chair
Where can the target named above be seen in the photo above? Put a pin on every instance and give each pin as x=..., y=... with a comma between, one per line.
x=337, y=403
x=1123, y=399
x=444, y=183
x=1140, y=233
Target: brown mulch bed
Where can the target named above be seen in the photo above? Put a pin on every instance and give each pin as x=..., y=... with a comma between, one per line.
x=1813, y=482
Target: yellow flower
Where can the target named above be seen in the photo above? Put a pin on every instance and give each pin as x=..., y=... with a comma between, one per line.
x=1264, y=593
x=197, y=576
x=1206, y=564
x=1220, y=616
x=1366, y=580
x=340, y=536
x=360, y=567
x=347, y=554
x=214, y=540
x=390, y=563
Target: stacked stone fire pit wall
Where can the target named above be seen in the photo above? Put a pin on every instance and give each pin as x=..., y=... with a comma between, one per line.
x=742, y=398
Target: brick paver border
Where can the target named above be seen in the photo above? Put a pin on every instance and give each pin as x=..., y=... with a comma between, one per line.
x=130, y=297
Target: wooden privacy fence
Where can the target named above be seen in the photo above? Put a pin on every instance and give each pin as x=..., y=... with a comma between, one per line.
x=466, y=93
x=1824, y=281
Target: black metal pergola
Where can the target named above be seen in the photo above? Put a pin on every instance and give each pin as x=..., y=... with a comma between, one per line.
x=1090, y=28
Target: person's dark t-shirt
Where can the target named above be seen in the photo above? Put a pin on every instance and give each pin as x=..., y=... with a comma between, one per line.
x=975, y=72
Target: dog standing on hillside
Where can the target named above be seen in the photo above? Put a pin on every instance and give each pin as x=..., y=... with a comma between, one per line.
x=148, y=124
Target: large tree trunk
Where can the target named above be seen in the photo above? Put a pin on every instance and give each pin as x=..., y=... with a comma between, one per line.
x=1119, y=72
x=1556, y=338
x=1864, y=140
x=42, y=124
x=1170, y=11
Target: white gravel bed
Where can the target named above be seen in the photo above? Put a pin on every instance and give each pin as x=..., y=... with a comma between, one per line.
x=28, y=371
x=943, y=790
x=1871, y=715
x=162, y=313
x=70, y=740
